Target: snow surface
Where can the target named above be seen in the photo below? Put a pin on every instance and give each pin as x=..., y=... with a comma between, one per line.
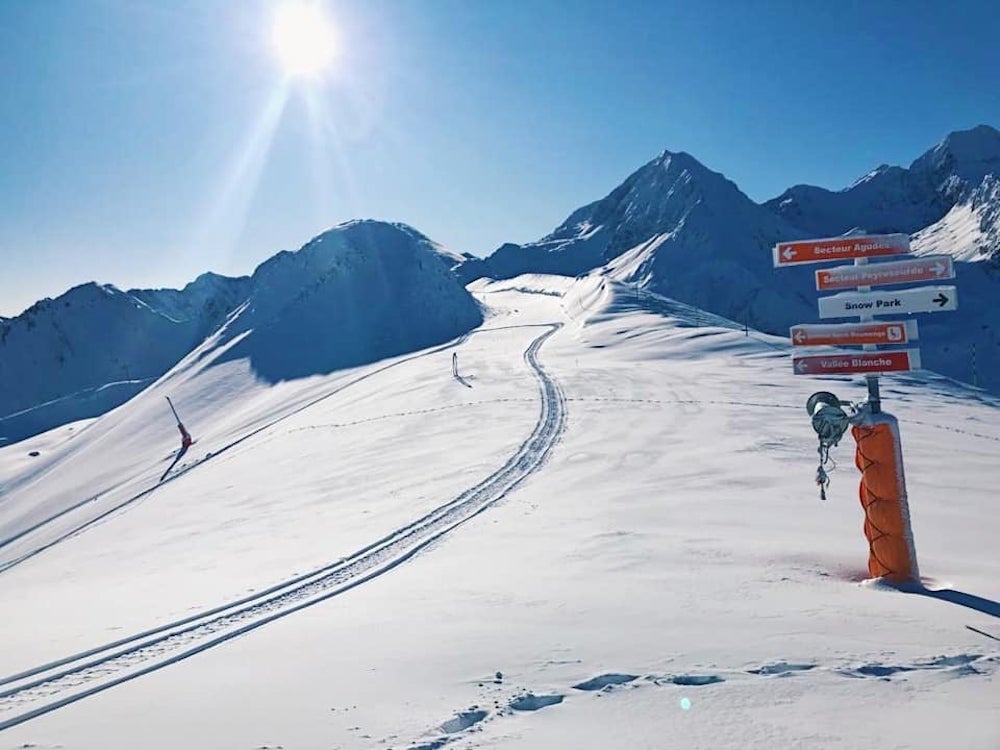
x=620, y=546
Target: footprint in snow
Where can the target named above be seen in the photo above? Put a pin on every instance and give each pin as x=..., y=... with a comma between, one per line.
x=532, y=702
x=781, y=669
x=960, y=665
x=696, y=680
x=605, y=681
x=463, y=721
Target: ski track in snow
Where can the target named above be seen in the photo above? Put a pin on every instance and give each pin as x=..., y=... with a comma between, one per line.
x=43, y=689
x=5, y=566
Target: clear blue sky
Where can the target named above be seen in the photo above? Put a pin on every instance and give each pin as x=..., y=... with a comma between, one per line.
x=145, y=141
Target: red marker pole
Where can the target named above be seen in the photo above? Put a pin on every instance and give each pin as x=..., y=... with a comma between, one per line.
x=874, y=395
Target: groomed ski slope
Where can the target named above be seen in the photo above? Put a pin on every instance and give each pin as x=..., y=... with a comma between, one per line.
x=612, y=508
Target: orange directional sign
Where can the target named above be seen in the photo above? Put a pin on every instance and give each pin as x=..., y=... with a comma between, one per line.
x=854, y=334
x=929, y=268
x=848, y=363
x=840, y=248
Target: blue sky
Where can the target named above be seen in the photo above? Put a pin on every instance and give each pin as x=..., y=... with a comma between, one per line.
x=143, y=142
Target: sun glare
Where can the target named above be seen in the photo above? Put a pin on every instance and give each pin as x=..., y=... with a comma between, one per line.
x=302, y=37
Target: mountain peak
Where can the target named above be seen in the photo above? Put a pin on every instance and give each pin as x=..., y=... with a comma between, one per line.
x=875, y=174
x=968, y=155
x=974, y=143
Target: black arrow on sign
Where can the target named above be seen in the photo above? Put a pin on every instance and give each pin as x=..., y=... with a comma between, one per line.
x=940, y=300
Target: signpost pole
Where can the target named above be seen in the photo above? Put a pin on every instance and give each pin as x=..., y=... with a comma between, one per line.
x=874, y=397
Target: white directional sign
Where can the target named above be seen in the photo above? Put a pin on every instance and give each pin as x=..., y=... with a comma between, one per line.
x=905, y=301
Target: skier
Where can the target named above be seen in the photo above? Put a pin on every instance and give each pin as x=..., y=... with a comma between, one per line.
x=186, y=439
x=454, y=364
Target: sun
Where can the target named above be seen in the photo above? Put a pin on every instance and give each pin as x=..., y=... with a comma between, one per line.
x=302, y=37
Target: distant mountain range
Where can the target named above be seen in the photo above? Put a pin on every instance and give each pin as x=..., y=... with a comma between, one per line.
x=361, y=291
x=375, y=289
x=679, y=229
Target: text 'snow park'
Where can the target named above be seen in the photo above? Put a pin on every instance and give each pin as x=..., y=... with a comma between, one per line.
x=926, y=299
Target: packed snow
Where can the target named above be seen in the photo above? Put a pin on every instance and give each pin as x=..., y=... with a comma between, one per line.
x=599, y=531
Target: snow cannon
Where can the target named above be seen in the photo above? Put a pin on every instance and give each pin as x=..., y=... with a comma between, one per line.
x=829, y=419
x=879, y=458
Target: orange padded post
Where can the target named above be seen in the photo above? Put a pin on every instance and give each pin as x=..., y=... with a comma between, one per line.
x=879, y=456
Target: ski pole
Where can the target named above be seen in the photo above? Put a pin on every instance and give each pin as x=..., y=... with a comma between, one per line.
x=173, y=409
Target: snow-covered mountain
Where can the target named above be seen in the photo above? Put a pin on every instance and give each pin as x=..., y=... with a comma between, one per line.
x=208, y=300
x=970, y=231
x=95, y=346
x=894, y=199
x=363, y=291
x=677, y=228
x=360, y=291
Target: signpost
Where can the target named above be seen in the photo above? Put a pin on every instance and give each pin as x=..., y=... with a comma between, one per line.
x=929, y=268
x=840, y=248
x=865, y=304
x=879, y=455
x=854, y=334
x=926, y=299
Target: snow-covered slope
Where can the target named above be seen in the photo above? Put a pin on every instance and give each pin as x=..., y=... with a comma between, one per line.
x=894, y=199
x=602, y=534
x=970, y=231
